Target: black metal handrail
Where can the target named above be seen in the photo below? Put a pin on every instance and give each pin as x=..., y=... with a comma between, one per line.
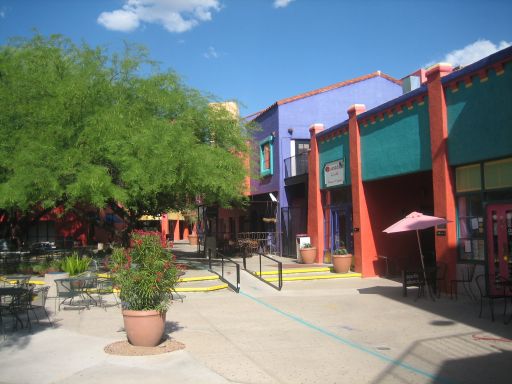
x=223, y=260
x=259, y=274
x=296, y=165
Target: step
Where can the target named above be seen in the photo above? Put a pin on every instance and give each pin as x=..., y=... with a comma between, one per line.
x=316, y=277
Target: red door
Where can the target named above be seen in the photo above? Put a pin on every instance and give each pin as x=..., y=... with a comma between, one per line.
x=499, y=241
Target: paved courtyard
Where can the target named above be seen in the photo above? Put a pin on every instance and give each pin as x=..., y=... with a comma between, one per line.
x=326, y=331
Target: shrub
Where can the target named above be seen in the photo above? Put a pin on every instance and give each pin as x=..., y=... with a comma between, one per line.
x=75, y=264
x=145, y=273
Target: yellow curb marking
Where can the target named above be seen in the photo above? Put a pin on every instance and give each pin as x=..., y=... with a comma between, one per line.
x=320, y=277
x=202, y=289
x=293, y=271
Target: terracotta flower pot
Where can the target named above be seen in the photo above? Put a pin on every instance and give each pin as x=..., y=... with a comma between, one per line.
x=308, y=255
x=144, y=328
x=192, y=239
x=341, y=263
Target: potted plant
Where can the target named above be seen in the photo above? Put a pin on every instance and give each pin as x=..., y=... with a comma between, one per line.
x=191, y=220
x=145, y=274
x=308, y=253
x=341, y=260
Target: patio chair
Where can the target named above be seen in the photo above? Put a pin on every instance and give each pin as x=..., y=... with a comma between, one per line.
x=487, y=294
x=468, y=273
x=87, y=284
x=66, y=291
x=105, y=286
x=39, y=302
x=20, y=305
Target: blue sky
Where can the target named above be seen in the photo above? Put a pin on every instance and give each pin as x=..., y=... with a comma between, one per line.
x=260, y=51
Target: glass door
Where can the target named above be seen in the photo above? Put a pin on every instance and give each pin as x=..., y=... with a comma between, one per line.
x=499, y=242
x=341, y=227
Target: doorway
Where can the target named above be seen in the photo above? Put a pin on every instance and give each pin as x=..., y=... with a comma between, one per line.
x=341, y=227
x=499, y=240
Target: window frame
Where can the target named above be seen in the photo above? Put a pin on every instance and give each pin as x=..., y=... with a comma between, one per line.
x=264, y=171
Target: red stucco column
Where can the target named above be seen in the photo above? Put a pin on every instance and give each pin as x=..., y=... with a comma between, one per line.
x=365, y=253
x=442, y=175
x=315, y=213
x=164, y=225
x=177, y=231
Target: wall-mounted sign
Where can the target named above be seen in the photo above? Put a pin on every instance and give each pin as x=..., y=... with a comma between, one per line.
x=334, y=173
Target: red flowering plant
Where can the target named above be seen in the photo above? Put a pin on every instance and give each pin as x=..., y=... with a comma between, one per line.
x=145, y=273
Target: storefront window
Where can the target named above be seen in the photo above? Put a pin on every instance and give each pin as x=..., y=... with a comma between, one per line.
x=498, y=174
x=468, y=178
x=471, y=227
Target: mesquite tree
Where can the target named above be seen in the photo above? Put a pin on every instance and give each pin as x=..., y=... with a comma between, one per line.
x=82, y=128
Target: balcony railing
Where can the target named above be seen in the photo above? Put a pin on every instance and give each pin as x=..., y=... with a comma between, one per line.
x=296, y=165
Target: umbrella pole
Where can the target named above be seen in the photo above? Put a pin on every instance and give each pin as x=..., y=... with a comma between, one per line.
x=423, y=265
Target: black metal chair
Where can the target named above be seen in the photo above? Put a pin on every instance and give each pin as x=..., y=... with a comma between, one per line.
x=39, y=302
x=489, y=295
x=468, y=274
x=105, y=286
x=20, y=305
x=66, y=291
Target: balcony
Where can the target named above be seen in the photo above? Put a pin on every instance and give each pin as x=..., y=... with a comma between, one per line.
x=294, y=167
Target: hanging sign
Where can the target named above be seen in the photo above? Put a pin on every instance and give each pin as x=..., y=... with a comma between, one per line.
x=334, y=173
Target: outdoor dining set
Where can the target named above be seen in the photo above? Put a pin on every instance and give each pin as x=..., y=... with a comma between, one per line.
x=20, y=297
x=489, y=287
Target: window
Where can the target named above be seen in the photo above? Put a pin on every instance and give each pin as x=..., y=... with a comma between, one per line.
x=267, y=156
x=302, y=146
x=471, y=227
x=468, y=178
x=471, y=195
x=498, y=174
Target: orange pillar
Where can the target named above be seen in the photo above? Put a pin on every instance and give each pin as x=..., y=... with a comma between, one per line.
x=365, y=253
x=177, y=231
x=315, y=213
x=164, y=225
x=442, y=174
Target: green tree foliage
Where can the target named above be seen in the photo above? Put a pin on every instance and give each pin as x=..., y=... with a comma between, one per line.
x=81, y=127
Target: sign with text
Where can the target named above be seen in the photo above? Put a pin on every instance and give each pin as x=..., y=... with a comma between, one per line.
x=334, y=173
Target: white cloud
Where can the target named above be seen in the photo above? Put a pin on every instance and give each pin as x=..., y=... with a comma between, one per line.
x=473, y=52
x=282, y=3
x=120, y=20
x=211, y=53
x=174, y=15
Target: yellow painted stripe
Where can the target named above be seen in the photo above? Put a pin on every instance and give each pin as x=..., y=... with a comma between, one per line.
x=293, y=271
x=183, y=279
x=35, y=282
x=202, y=289
x=198, y=278
x=320, y=277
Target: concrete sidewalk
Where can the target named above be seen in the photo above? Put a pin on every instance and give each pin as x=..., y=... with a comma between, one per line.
x=332, y=331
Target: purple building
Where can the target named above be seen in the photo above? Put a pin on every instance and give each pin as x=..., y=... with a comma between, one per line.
x=279, y=195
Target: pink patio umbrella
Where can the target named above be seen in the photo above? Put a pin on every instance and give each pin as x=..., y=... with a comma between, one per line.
x=415, y=221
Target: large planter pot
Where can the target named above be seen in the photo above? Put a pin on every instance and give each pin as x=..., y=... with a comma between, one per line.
x=144, y=328
x=308, y=255
x=341, y=263
x=192, y=239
